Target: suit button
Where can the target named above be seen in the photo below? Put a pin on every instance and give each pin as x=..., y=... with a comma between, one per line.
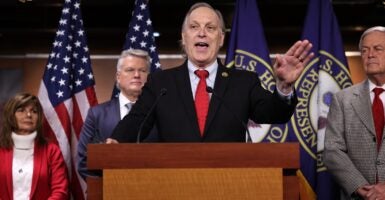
x=374, y=139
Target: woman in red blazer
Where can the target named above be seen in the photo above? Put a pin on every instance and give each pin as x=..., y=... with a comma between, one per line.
x=31, y=167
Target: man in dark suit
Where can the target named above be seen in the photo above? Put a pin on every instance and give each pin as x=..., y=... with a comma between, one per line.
x=132, y=70
x=237, y=95
x=354, y=143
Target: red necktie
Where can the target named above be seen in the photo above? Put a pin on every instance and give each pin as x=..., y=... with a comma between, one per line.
x=201, y=99
x=378, y=115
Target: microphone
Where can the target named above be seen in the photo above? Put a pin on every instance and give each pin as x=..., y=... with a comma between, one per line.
x=162, y=92
x=211, y=91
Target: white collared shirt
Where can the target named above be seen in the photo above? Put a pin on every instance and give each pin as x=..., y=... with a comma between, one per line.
x=194, y=79
x=122, y=105
x=371, y=87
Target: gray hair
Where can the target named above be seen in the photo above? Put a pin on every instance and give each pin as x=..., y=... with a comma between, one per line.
x=133, y=52
x=370, y=30
x=206, y=5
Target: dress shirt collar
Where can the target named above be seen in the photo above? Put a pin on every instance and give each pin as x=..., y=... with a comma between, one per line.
x=372, y=86
x=212, y=69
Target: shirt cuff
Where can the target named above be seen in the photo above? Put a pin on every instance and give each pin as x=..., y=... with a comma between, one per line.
x=286, y=97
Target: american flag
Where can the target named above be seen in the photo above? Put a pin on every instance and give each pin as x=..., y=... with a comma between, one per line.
x=140, y=35
x=67, y=89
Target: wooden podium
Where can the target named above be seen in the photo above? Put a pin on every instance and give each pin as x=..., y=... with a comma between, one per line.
x=194, y=171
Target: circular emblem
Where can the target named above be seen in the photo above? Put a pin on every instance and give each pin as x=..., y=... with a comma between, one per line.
x=321, y=78
x=248, y=61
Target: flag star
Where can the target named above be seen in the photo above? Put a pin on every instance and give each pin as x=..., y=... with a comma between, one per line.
x=139, y=17
x=85, y=49
x=59, y=32
x=77, y=5
x=52, y=55
x=62, y=82
x=68, y=1
x=49, y=65
x=133, y=39
x=90, y=76
x=148, y=22
x=66, y=10
x=58, y=55
x=64, y=70
x=74, y=16
x=63, y=22
x=81, y=71
x=157, y=64
x=66, y=59
x=59, y=94
x=53, y=78
x=84, y=60
x=152, y=48
x=68, y=47
x=70, y=37
x=60, y=44
x=143, y=6
x=78, y=82
x=75, y=55
x=55, y=43
x=70, y=87
x=55, y=67
x=143, y=44
x=145, y=33
x=81, y=32
x=77, y=43
x=136, y=27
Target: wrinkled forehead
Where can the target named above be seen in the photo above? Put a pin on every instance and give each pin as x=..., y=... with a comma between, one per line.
x=203, y=15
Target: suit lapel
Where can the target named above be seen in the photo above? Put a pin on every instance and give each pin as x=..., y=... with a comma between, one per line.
x=184, y=91
x=8, y=162
x=220, y=85
x=37, y=161
x=362, y=105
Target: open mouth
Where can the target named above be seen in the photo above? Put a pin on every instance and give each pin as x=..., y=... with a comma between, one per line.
x=201, y=44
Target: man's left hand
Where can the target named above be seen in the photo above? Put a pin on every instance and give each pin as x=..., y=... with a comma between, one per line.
x=288, y=67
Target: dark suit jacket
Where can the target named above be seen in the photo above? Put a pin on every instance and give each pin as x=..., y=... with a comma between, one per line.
x=49, y=178
x=175, y=115
x=97, y=127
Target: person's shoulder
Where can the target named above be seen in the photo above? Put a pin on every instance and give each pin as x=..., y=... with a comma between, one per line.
x=52, y=145
x=105, y=104
x=239, y=73
x=168, y=72
x=352, y=90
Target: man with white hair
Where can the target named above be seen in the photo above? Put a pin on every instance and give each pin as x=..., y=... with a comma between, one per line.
x=354, y=153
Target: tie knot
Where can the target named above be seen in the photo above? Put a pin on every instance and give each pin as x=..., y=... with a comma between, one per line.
x=202, y=73
x=377, y=91
x=129, y=105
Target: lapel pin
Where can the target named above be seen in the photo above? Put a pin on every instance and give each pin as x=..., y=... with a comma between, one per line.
x=225, y=74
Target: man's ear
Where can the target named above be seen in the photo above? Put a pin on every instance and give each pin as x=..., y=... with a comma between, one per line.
x=182, y=41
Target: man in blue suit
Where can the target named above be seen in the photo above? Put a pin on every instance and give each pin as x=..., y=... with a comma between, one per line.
x=132, y=70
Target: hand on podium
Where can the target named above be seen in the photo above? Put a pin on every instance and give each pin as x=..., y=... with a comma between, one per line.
x=111, y=141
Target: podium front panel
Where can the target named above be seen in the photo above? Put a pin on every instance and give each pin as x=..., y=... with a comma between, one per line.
x=193, y=183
